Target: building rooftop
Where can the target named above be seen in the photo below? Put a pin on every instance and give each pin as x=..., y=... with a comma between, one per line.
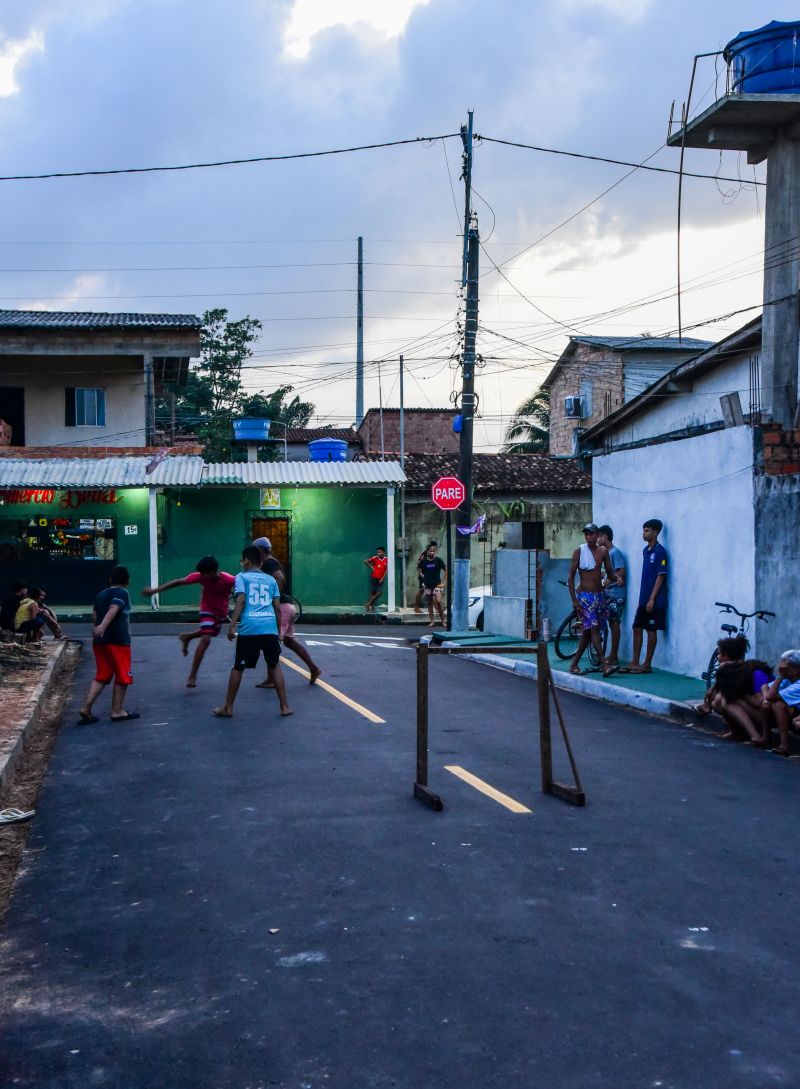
x=78, y=319
x=496, y=472
x=310, y=434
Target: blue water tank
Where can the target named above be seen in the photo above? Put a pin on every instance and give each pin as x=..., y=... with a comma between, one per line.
x=251, y=429
x=327, y=450
x=766, y=61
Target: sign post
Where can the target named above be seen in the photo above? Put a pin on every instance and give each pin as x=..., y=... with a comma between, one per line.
x=448, y=494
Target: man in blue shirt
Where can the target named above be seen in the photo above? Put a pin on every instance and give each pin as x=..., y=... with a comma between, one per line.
x=651, y=615
x=254, y=626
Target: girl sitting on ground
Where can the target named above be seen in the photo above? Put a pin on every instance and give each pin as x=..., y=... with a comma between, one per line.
x=781, y=701
x=736, y=693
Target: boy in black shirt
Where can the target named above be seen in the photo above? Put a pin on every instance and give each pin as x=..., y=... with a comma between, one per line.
x=433, y=573
x=112, y=648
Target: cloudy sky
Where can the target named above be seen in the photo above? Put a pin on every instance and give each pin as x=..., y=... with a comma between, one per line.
x=97, y=84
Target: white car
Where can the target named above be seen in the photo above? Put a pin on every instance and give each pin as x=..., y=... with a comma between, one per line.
x=475, y=611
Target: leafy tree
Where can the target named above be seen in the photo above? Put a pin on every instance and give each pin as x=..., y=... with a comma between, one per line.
x=213, y=395
x=529, y=429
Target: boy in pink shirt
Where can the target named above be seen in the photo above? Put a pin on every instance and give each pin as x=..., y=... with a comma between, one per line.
x=216, y=593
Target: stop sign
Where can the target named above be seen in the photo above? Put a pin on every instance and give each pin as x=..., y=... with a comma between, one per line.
x=448, y=493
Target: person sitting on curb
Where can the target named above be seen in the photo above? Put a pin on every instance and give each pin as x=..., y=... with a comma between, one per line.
x=8, y=610
x=736, y=692
x=781, y=700
x=588, y=600
x=29, y=619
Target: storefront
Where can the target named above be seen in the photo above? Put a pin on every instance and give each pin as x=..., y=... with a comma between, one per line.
x=65, y=524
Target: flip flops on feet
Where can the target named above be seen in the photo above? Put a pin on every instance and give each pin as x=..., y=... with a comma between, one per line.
x=85, y=719
x=129, y=716
x=15, y=816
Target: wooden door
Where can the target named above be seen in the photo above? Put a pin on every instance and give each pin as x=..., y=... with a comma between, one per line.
x=277, y=529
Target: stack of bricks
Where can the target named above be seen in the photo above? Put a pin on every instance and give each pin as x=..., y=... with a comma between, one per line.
x=780, y=450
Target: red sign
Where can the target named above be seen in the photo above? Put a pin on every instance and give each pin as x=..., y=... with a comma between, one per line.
x=448, y=493
x=69, y=499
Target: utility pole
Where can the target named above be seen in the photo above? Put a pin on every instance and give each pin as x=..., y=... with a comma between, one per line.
x=360, y=336
x=461, y=572
x=402, y=490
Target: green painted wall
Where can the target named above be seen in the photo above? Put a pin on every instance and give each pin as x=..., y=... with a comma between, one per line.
x=132, y=550
x=333, y=531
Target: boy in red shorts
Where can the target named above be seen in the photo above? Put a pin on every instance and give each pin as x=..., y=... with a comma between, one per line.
x=214, y=600
x=111, y=643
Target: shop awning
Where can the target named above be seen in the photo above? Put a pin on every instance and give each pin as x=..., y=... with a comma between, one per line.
x=187, y=471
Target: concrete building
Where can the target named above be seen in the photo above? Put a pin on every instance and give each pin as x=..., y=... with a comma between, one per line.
x=693, y=451
x=594, y=376
x=89, y=379
x=530, y=501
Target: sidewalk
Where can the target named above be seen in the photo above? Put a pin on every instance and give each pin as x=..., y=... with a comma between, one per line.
x=670, y=695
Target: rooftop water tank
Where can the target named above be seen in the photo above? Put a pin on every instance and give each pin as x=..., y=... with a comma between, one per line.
x=251, y=429
x=765, y=61
x=327, y=450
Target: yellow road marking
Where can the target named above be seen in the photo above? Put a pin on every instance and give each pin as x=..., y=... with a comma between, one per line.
x=484, y=788
x=335, y=693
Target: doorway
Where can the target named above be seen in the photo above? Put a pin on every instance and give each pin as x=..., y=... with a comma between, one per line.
x=12, y=410
x=278, y=527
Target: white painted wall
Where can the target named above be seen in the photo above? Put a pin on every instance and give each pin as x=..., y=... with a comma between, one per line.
x=674, y=411
x=44, y=382
x=702, y=490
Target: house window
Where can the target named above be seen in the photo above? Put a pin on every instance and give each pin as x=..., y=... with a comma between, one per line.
x=533, y=534
x=84, y=407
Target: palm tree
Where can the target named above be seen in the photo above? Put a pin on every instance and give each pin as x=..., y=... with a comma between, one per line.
x=529, y=430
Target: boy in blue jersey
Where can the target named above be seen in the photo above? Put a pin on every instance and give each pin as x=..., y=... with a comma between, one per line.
x=651, y=615
x=254, y=626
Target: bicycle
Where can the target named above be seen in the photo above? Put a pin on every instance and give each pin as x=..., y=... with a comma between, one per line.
x=710, y=674
x=569, y=634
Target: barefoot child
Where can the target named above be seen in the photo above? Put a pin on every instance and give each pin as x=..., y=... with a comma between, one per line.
x=781, y=700
x=215, y=597
x=254, y=626
x=111, y=643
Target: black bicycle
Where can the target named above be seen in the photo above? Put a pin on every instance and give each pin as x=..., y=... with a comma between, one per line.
x=731, y=630
x=569, y=634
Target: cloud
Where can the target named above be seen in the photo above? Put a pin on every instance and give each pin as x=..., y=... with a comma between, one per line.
x=630, y=11
x=12, y=53
x=308, y=18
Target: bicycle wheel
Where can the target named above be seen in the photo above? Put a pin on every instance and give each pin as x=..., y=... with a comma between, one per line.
x=593, y=657
x=710, y=674
x=568, y=636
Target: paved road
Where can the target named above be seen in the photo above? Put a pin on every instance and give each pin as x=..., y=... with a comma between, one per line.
x=260, y=902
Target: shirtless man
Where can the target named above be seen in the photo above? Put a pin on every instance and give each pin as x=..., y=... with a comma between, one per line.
x=589, y=600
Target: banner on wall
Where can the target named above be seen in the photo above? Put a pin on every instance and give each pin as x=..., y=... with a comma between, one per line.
x=270, y=498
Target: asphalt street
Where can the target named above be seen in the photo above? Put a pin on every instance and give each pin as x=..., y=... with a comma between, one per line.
x=260, y=902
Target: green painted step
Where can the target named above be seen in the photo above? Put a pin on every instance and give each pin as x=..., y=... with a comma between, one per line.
x=476, y=638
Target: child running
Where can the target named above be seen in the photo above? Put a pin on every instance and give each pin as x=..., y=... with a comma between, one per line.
x=214, y=599
x=254, y=626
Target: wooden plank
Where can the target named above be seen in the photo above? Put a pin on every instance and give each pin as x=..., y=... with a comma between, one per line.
x=545, y=742
x=422, y=714
x=428, y=797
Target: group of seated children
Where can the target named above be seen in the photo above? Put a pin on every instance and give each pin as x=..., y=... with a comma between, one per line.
x=752, y=699
x=24, y=612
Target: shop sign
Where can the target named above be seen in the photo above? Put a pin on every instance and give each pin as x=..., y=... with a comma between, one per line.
x=69, y=500
x=131, y=531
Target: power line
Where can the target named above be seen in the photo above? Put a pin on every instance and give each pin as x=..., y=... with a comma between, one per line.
x=614, y=162
x=222, y=162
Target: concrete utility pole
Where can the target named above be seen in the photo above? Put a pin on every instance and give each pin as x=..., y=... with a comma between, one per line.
x=360, y=336
x=461, y=566
x=402, y=490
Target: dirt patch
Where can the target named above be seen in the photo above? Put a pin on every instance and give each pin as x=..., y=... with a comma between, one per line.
x=19, y=674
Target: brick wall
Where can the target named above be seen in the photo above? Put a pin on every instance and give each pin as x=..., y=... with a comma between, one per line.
x=602, y=368
x=780, y=450
x=426, y=432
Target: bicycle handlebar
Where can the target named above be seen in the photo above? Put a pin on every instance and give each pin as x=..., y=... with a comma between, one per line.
x=762, y=614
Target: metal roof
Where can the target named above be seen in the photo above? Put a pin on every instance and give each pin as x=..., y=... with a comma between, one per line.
x=306, y=473
x=661, y=344
x=188, y=471
x=76, y=319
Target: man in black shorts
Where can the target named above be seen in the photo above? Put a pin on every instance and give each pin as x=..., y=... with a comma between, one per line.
x=287, y=611
x=651, y=615
x=254, y=626
x=434, y=576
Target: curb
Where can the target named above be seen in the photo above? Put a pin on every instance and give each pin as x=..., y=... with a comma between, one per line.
x=11, y=750
x=674, y=710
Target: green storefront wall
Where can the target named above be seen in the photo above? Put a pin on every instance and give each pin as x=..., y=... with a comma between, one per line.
x=332, y=531
x=70, y=581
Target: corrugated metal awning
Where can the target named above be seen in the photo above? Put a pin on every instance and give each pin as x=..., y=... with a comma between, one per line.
x=188, y=471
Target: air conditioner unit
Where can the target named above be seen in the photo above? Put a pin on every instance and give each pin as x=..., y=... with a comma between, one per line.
x=573, y=408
